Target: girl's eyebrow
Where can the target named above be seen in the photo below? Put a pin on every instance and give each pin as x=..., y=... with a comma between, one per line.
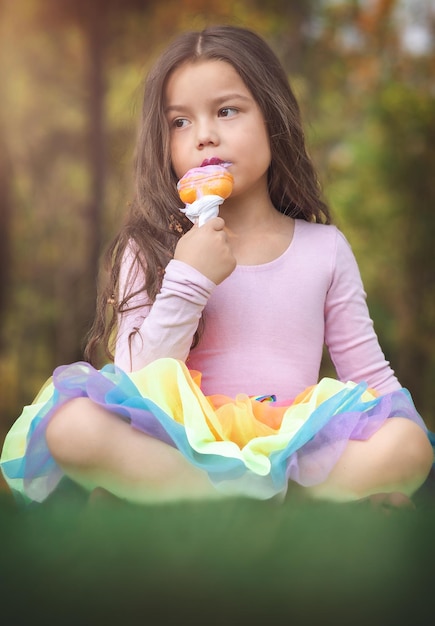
x=231, y=96
x=216, y=101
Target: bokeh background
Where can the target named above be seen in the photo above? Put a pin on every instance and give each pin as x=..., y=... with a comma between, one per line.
x=71, y=74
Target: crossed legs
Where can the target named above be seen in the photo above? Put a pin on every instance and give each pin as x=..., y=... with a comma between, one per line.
x=97, y=449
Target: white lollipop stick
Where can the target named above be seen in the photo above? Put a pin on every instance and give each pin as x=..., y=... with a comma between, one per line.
x=203, y=209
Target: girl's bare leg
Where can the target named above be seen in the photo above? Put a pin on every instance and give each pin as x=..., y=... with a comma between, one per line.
x=97, y=449
x=397, y=458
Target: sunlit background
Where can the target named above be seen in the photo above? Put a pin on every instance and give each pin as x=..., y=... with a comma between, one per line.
x=71, y=84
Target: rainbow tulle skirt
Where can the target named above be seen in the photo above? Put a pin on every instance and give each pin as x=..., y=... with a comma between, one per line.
x=248, y=446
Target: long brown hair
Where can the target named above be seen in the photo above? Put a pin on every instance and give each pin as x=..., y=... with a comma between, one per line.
x=154, y=223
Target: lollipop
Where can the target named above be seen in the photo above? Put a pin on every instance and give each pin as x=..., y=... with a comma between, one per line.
x=203, y=189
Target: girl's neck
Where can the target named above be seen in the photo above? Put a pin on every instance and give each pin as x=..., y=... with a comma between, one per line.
x=258, y=232
x=251, y=214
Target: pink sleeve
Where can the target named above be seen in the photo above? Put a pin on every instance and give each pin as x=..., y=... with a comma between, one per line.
x=165, y=329
x=349, y=334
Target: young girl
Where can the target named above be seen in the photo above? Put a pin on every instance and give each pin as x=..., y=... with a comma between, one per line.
x=220, y=328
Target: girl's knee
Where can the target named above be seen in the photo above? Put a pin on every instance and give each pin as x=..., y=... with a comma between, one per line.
x=397, y=457
x=71, y=433
x=414, y=448
x=424, y=452
x=417, y=441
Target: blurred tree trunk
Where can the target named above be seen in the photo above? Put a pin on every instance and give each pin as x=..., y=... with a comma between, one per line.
x=77, y=294
x=94, y=34
x=5, y=228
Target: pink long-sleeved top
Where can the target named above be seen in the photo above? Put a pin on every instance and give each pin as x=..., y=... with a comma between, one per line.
x=265, y=325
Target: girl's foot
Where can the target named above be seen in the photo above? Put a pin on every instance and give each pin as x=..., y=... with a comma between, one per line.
x=388, y=501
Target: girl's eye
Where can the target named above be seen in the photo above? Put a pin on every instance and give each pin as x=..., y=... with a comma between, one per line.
x=227, y=112
x=179, y=123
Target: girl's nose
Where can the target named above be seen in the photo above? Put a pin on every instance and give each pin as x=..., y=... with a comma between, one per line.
x=206, y=136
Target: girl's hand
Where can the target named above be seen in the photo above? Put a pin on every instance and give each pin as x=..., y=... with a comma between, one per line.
x=207, y=249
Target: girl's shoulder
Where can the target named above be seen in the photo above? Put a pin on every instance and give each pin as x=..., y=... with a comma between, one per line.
x=323, y=242
x=327, y=235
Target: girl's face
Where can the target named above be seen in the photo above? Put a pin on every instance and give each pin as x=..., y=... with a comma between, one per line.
x=211, y=113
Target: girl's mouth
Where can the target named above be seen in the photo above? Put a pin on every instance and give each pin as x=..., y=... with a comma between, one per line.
x=215, y=161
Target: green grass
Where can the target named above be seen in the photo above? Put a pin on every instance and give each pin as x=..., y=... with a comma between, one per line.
x=232, y=562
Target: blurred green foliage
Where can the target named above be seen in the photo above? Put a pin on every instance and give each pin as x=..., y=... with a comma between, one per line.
x=66, y=151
